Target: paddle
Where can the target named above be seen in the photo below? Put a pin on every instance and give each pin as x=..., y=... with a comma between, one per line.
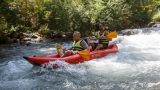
x=111, y=35
x=85, y=54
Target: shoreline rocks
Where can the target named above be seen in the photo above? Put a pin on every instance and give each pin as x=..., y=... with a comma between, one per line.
x=154, y=24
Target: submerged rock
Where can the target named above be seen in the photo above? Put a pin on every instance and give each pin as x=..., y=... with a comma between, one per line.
x=129, y=32
x=154, y=24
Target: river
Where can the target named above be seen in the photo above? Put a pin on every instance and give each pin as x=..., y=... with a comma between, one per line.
x=135, y=67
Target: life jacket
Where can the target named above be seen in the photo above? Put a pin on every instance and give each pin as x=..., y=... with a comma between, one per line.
x=77, y=46
x=102, y=40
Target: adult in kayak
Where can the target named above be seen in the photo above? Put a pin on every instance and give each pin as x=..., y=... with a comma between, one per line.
x=78, y=45
x=101, y=36
x=100, y=41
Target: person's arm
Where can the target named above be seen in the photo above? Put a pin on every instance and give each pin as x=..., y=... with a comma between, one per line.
x=97, y=35
x=104, y=34
x=70, y=48
x=84, y=44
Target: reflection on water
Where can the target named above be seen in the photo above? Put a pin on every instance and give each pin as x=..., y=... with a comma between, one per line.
x=135, y=67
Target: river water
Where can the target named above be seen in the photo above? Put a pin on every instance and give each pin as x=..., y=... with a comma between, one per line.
x=135, y=67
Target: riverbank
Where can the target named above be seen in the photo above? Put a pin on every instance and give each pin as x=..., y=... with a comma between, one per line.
x=36, y=38
x=25, y=38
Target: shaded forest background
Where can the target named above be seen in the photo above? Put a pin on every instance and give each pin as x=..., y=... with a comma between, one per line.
x=52, y=16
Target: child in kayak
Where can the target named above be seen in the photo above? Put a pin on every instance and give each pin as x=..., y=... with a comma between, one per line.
x=59, y=49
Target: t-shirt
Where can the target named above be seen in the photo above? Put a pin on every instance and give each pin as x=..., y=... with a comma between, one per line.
x=84, y=44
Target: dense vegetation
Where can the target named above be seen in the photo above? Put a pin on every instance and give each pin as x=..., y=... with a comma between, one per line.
x=47, y=16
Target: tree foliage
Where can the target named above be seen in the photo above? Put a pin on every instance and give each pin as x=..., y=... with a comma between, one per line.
x=70, y=15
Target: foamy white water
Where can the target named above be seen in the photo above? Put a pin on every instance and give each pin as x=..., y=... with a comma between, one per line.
x=135, y=67
x=138, y=60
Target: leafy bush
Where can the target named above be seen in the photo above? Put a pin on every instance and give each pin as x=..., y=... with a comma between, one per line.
x=156, y=17
x=70, y=15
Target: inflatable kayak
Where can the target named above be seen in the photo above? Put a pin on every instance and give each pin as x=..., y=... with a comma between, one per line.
x=73, y=59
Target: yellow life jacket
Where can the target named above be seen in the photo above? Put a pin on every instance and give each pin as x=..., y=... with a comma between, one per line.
x=77, y=46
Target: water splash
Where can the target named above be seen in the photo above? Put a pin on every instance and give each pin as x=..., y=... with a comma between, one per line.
x=135, y=66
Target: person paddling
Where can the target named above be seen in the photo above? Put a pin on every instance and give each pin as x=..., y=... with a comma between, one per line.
x=77, y=45
x=101, y=35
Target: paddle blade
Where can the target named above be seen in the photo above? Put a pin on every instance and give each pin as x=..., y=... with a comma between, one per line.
x=85, y=54
x=111, y=35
